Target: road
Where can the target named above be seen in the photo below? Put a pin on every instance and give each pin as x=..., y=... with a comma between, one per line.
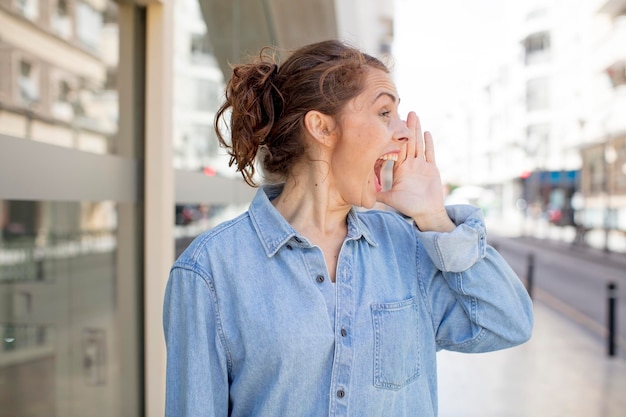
x=571, y=279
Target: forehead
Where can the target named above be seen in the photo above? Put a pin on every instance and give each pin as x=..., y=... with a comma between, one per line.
x=378, y=84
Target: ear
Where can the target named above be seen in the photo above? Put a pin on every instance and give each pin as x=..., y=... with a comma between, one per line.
x=320, y=127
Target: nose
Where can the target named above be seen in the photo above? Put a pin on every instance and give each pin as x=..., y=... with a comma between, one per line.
x=401, y=131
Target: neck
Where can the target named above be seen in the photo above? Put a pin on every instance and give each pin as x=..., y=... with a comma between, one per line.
x=312, y=205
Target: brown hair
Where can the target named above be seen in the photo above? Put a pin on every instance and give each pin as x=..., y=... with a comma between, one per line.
x=268, y=103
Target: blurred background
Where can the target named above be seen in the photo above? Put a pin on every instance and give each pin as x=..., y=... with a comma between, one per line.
x=109, y=166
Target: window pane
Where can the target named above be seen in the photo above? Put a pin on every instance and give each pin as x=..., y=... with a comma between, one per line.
x=57, y=315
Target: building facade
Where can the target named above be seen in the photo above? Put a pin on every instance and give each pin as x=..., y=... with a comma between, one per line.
x=545, y=129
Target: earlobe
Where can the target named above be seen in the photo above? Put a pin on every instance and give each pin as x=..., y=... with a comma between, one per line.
x=320, y=126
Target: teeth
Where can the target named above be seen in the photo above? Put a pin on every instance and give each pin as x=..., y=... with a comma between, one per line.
x=390, y=157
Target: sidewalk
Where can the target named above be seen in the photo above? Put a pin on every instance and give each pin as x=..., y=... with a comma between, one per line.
x=562, y=371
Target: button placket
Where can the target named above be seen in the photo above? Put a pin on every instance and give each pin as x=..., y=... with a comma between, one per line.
x=342, y=364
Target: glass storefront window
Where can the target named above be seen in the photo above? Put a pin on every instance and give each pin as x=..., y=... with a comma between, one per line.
x=57, y=309
x=198, y=90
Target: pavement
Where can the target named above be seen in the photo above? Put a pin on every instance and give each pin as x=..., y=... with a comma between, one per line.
x=564, y=370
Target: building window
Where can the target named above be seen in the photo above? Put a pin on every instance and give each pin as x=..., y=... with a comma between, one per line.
x=88, y=26
x=537, y=47
x=200, y=48
x=28, y=83
x=62, y=9
x=60, y=19
x=538, y=94
x=28, y=8
x=64, y=91
x=63, y=100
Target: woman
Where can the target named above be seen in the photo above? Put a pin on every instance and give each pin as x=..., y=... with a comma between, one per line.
x=306, y=306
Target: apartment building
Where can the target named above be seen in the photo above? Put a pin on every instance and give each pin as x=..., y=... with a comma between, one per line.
x=545, y=128
x=105, y=115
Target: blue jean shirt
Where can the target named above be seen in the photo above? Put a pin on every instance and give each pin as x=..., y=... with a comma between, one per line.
x=254, y=326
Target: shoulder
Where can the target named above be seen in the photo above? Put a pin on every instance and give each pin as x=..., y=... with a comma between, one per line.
x=216, y=242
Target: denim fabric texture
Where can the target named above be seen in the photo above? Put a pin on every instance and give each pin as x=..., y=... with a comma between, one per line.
x=254, y=326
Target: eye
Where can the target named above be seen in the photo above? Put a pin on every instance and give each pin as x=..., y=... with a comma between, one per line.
x=385, y=113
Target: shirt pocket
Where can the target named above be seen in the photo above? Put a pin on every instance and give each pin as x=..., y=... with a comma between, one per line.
x=396, y=344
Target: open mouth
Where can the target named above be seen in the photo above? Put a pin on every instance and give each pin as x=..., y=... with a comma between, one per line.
x=378, y=168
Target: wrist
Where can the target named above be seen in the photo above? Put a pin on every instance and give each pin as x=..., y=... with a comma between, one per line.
x=434, y=222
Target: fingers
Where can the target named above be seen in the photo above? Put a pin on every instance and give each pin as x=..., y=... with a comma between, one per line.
x=419, y=138
x=429, y=147
x=419, y=145
x=411, y=122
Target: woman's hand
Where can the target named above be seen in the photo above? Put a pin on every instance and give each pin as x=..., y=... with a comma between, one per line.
x=416, y=189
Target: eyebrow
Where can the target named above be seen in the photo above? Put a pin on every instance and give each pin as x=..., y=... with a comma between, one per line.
x=388, y=94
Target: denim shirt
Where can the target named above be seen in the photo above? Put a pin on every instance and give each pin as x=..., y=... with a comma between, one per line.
x=254, y=326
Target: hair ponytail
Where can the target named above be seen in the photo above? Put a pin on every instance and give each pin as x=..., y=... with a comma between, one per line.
x=255, y=103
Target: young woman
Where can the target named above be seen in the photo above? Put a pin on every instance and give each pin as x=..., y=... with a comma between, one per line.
x=307, y=306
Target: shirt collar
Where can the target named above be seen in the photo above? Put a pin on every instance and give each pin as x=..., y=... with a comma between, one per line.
x=274, y=231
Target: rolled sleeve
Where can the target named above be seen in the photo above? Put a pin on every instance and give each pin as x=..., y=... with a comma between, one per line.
x=458, y=250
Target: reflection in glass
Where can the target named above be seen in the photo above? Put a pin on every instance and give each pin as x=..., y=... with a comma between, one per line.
x=57, y=58
x=57, y=309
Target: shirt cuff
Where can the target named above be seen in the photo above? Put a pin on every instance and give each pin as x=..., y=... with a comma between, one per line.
x=460, y=249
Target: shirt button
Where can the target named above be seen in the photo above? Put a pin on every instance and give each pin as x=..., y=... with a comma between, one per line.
x=289, y=247
x=341, y=393
x=344, y=332
x=320, y=278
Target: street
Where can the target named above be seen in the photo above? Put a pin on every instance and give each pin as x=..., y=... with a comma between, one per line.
x=571, y=279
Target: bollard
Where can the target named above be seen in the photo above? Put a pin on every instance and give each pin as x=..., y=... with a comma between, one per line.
x=529, y=274
x=611, y=314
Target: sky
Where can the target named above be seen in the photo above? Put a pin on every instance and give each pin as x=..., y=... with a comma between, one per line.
x=440, y=47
